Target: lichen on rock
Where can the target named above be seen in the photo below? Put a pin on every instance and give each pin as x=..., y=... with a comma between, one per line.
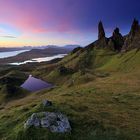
x=55, y=122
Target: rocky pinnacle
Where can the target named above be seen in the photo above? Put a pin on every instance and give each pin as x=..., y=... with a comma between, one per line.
x=101, y=32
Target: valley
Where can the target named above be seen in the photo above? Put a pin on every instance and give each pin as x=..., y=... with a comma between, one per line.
x=25, y=56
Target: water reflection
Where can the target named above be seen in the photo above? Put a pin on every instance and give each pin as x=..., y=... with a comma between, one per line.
x=34, y=84
x=43, y=59
x=11, y=53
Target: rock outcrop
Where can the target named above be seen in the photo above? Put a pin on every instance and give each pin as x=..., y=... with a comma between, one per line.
x=133, y=38
x=134, y=28
x=116, y=41
x=55, y=122
x=102, y=40
x=101, y=32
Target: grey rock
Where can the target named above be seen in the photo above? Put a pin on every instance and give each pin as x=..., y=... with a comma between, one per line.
x=55, y=122
x=62, y=124
x=32, y=121
x=47, y=103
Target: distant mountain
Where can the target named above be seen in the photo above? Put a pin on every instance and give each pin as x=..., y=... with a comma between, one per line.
x=36, y=53
x=4, y=49
x=8, y=49
x=71, y=46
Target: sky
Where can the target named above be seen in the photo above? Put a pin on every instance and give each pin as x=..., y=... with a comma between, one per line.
x=61, y=22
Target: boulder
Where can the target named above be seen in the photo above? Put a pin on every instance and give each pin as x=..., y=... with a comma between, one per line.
x=33, y=121
x=46, y=103
x=55, y=122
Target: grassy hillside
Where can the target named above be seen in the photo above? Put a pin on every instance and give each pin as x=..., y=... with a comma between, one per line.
x=96, y=88
x=10, y=81
x=89, y=65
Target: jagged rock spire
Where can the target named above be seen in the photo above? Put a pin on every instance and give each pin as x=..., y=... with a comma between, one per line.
x=135, y=27
x=116, y=31
x=117, y=39
x=101, y=32
x=133, y=38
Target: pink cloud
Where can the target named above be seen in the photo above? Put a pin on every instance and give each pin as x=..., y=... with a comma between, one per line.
x=37, y=19
x=22, y=16
x=37, y=16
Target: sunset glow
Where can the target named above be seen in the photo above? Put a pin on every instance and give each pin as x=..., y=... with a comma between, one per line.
x=43, y=22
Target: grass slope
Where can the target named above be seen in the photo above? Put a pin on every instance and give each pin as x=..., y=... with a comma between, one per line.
x=101, y=99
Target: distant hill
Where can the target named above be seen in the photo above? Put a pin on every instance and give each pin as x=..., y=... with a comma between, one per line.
x=36, y=53
x=2, y=49
x=71, y=47
x=8, y=49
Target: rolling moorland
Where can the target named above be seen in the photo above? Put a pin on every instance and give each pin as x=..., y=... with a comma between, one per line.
x=97, y=87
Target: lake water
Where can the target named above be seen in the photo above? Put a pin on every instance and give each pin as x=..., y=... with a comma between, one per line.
x=12, y=53
x=34, y=84
x=43, y=59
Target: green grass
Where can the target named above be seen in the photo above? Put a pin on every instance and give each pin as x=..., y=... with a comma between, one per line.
x=127, y=62
x=10, y=85
x=93, y=114
x=102, y=103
